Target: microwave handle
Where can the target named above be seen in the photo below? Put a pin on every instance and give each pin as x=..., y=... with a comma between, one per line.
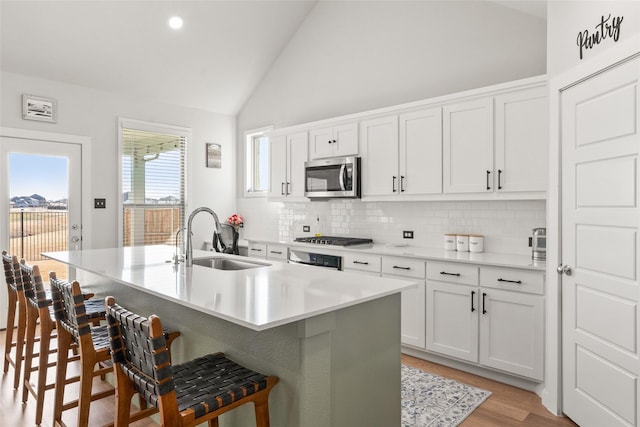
x=343, y=172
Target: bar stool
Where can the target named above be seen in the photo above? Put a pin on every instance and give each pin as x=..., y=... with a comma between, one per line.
x=16, y=302
x=186, y=394
x=73, y=326
x=40, y=307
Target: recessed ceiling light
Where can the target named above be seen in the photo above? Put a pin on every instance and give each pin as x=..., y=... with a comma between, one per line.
x=175, y=22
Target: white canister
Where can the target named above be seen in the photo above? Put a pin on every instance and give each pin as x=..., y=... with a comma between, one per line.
x=449, y=242
x=462, y=242
x=476, y=243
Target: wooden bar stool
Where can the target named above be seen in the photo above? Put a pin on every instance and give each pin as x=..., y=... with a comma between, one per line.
x=187, y=394
x=72, y=324
x=40, y=307
x=16, y=303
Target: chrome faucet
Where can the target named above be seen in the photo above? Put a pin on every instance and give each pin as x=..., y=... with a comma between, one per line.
x=188, y=255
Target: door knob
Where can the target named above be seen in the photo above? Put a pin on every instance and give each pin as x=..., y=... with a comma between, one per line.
x=565, y=269
x=75, y=239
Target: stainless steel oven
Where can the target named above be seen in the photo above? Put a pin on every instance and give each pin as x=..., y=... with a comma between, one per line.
x=337, y=177
x=310, y=257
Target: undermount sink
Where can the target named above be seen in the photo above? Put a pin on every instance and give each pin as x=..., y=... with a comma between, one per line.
x=220, y=263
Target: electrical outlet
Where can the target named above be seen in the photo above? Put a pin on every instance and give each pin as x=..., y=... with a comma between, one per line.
x=100, y=203
x=407, y=234
x=306, y=228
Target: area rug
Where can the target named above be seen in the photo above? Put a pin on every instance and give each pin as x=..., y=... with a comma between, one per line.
x=432, y=401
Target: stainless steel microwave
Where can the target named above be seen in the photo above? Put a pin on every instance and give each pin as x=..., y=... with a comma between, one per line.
x=336, y=177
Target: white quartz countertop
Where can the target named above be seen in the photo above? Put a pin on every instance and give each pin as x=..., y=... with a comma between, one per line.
x=273, y=294
x=429, y=254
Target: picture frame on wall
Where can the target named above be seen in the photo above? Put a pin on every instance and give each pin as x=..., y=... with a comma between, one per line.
x=38, y=108
x=214, y=155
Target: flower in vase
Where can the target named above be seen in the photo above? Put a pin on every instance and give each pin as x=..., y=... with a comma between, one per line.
x=236, y=221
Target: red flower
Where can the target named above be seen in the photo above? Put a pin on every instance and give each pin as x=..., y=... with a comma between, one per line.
x=235, y=220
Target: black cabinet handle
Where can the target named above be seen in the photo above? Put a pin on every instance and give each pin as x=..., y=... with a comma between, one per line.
x=282, y=188
x=401, y=268
x=361, y=262
x=499, y=179
x=334, y=141
x=276, y=252
x=401, y=184
x=488, y=174
x=473, y=294
x=257, y=250
x=394, y=184
x=519, y=282
x=484, y=306
x=288, y=188
x=329, y=142
x=450, y=274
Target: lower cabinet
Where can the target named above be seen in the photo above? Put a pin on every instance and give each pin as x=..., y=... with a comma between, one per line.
x=493, y=318
x=277, y=252
x=413, y=300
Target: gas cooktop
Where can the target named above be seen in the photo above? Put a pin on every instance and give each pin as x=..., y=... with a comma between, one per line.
x=337, y=241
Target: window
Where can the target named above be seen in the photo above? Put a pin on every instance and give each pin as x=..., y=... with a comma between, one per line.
x=256, y=162
x=152, y=183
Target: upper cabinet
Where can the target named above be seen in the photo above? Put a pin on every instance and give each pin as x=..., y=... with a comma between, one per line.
x=522, y=132
x=468, y=146
x=485, y=144
x=287, y=154
x=333, y=141
x=511, y=160
x=402, y=154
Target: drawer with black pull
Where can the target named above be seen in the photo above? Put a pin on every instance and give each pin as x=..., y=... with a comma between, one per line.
x=452, y=272
x=278, y=252
x=398, y=266
x=257, y=250
x=363, y=262
x=512, y=279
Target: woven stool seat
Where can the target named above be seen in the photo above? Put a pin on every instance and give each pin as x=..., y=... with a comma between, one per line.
x=186, y=394
x=210, y=382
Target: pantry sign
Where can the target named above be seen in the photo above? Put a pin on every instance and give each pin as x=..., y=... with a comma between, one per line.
x=607, y=28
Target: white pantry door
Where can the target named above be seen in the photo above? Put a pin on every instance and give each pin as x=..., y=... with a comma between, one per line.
x=51, y=169
x=600, y=218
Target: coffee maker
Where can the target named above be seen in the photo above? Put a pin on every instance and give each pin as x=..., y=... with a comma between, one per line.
x=538, y=243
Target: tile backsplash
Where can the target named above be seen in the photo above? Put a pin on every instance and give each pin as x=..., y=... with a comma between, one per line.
x=505, y=225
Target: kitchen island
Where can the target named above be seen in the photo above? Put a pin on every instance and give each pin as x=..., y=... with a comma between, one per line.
x=332, y=337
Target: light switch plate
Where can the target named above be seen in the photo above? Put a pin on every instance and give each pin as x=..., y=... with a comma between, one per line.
x=100, y=203
x=407, y=234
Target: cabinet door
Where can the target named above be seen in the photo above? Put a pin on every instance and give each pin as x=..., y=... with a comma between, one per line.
x=277, y=166
x=468, y=147
x=379, y=149
x=421, y=152
x=413, y=319
x=297, y=155
x=346, y=137
x=512, y=332
x=522, y=140
x=452, y=320
x=320, y=143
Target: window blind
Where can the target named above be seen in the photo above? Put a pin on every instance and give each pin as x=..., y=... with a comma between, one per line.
x=153, y=186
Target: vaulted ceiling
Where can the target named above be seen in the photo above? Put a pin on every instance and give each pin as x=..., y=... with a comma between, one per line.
x=213, y=63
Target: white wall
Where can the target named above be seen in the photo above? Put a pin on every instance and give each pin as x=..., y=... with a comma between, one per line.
x=93, y=113
x=568, y=18
x=349, y=57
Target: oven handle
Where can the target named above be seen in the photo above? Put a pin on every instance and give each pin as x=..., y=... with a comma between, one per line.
x=308, y=264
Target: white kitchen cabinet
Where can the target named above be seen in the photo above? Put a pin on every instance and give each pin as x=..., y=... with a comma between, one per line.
x=421, y=152
x=412, y=330
x=522, y=135
x=499, y=323
x=277, y=252
x=287, y=154
x=468, y=146
x=402, y=154
x=257, y=250
x=452, y=310
x=361, y=262
x=379, y=150
x=338, y=140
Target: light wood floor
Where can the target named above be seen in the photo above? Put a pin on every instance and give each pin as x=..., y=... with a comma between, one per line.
x=507, y=406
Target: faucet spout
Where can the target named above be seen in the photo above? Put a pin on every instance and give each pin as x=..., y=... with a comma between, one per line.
x=188, y=255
